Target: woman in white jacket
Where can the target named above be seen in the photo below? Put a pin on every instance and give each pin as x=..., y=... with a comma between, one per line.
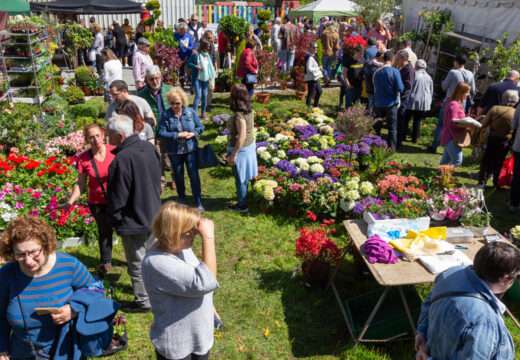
x=112, y=69
x=313, y=75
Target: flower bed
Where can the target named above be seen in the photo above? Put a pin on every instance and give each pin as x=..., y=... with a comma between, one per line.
x=37, y=184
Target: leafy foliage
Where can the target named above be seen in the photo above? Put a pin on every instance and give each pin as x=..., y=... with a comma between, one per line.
x=75, y=37
x=436, y=19
x=266, y=68
x=167, y=58
x=234, y=28
x=73, y=94
x=504, y=58
x=371, y=10
x=165, y=37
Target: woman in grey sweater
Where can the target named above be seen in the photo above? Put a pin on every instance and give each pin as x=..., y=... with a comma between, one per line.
x=180, y=287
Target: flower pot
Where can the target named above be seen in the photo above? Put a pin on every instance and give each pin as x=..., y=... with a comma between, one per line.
x=263, y=209
x=315, y=274
x=479, y=231
x=283, y=86
x=86, y=90
x=300, y=95
x=292, y=211
x=263, y=98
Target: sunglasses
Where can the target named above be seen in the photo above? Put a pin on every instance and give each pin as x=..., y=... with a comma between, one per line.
x=176, y=103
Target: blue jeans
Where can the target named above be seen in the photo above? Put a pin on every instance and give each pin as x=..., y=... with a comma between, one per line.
x=241, y=188
x=287, y=57
x=201, y=92
x=352, y=95
x=390, y=112
x=438, y=129
x=327, y=61
x=250, y=89
x=452, y=154
x=178, y=161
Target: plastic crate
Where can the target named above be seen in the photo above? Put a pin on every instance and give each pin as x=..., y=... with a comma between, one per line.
x=390, y=320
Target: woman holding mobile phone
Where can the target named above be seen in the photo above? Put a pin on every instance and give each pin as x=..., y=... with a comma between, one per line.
x=179, y=285
x=29, y=281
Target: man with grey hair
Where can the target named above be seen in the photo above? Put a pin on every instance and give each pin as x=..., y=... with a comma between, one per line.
x=493, y=94
x=419, y=101
x=275, y=30
x=155, y=95
x=134, y=197
x=407, y=72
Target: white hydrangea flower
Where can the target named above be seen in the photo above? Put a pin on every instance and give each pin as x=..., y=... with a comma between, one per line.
x=314, y=160
x=261, y=150
x=366, y=188
x=317, y=168
x=221, y=139
x=265, y=156
x=268, y=193
x=326, y=129
x=281, y=154
x=352, y=195
x=275, y=160
x=347, y=205
x=352, y=184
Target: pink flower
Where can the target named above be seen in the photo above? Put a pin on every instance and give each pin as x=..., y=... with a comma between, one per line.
x=19, y=205
x=36, y=195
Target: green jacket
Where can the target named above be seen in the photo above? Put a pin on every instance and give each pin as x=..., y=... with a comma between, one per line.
x=147, y=95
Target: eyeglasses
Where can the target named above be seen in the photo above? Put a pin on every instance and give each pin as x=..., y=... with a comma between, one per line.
x=176, y=103
x=314, y=47
x=194, y=20
x=116, y=94
x=32, y=254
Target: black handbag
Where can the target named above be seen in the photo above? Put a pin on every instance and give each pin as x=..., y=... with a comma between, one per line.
x=206, y=157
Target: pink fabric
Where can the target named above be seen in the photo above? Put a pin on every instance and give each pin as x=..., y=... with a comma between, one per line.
x=140, y=62
x=380, y=37
x=378, y=250
x=84, y=166
x=452, y=111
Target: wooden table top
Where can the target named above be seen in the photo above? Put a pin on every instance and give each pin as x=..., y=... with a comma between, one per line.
x=402, y=272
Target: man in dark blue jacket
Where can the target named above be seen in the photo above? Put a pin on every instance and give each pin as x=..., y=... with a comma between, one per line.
x=387, y=86
x=134, y=197
x=493, y=94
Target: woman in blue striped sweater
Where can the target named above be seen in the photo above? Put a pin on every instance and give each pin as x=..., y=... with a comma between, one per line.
x=37, y=276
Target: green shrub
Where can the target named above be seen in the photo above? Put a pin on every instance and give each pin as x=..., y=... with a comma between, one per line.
x=81, y=121
x=82, y=75
x=87, y=109
x=264, y=15
x=73, y=94
x=103, y=106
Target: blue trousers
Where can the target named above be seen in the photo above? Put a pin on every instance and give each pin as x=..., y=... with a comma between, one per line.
x=178, y=161
x=241, y=188
x=250, y=89
x=201, y=93
x=452, y=154
x=287, y=57
x=390, y=112
x=327, y=61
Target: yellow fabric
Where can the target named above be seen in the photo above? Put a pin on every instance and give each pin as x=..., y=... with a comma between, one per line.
x=417, y=243
x=364, y=91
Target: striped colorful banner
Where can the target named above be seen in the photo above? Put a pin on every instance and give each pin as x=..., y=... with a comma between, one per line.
x=213, y=13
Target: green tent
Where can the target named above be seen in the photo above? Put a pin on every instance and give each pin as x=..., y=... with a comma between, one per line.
x=15, y=7
x=318, y=9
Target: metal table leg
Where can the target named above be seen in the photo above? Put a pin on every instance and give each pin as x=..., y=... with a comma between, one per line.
x=407, y=309
x=370, y=318
x=342, y=308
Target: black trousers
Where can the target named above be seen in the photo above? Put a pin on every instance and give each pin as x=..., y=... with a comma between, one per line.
x=313, y=86
x=99, y=212
x=189, y=357
x=418, y=115
x=493, y=158
x=99, y=64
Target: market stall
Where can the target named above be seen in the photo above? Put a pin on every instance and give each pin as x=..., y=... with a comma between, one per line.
x=321, y=8
x=87, y=6
x=15, y=7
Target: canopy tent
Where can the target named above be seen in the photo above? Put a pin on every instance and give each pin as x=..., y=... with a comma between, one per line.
x=15, y=7
x=483, y=18
x=321, y=8
x=88, y=6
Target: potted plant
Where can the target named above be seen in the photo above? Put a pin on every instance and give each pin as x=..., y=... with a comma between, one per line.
x=3, y=87
x=83, y=77
x=283, y=79
x=234, y=28
x=318, y=252
x=266, y=73
x=224, y=79
x=298, y=78
x=74, y=95
x=477, y=220
x=168, y=60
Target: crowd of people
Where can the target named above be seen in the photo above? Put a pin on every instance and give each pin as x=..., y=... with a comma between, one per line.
x=155, y=131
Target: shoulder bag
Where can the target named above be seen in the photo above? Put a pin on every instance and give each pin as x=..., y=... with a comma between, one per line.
x=462, y=139
x=91, y=154
x=206, y=157
x=251, y=78
x=38, y=355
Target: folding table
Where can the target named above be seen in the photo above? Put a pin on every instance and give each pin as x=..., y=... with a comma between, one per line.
x=388, y=275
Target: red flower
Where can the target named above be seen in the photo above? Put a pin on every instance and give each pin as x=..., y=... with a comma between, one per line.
x=311, y=216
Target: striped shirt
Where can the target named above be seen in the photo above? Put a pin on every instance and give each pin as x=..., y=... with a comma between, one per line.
x=50, y=290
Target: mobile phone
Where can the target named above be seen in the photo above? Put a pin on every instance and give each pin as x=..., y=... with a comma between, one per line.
x=46, y=311
x=492, y=237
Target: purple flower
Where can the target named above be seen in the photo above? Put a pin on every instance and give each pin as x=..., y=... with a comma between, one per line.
x=225, y=131
x=286, y=166
x=305, y=132
x=358, y=208
x=304, y=174
x=332, y=163
x=304, y=153
x=265, y=144
x=364, y=149
x=337, y=135
x=316, y=176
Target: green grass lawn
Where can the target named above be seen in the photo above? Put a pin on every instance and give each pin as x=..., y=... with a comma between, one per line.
x=268, y=313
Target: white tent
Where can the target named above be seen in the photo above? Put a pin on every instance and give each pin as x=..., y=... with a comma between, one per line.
x=321, y=8
x=489, y=18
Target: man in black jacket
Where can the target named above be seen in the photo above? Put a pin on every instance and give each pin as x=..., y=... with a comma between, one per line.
x=134, y=197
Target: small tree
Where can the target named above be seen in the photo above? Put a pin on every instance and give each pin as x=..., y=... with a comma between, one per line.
x=153, y=7
x=234, y=28
x=266, y=68
x=504, y=58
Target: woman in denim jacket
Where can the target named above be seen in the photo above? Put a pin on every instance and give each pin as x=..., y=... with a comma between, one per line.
x=462, y=317
x=180, y=127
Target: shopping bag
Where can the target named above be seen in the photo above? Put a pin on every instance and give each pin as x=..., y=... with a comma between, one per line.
x=506, y=173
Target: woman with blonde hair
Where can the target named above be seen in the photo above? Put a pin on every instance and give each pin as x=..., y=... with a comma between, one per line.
x=180, y=287
x=92, y=168
x=97, y=46
x=454, y=110
x=112, y=69
x=179, y=128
